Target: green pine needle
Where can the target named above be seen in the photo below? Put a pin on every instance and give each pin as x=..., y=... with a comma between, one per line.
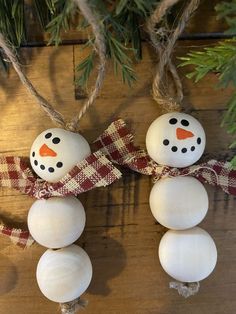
x=220, y=59
x=85, y=67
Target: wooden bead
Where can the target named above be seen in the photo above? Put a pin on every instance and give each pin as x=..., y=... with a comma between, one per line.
x=188, y=255
x=56, y=222
x=63, y=275
x=179, y=203
x=56, y=151
x=175, y=139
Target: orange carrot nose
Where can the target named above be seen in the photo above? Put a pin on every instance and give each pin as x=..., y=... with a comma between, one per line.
x=45, y=151
x=183, y=134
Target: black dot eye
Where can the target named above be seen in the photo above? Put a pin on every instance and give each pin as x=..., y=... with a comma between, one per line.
x=174, y=149
x=185, y=122
x=199, y=140
x=56, y=140
x=192, y=148
x=36, y=163
x=166, y=142
x=33, y=154
x=51, y=169
x=59, y=164
x=184, y=150
x=42, y=167
x=48, y=135
x=173, y=121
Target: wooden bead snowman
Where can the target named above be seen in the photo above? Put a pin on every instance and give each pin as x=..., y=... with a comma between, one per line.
x=186, y=252
x=65, y=273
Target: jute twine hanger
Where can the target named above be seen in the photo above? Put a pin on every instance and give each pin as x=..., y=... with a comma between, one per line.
x=160, y=91
x=100, y=48
x=164, y=49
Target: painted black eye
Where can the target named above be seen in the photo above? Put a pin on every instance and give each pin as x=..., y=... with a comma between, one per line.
x=184, y=122
x=48, y=135
x=33, y=154
x=192, y=148
x=56, y=140
x=51, y=169
x=173, y=121
x=36, y=163
x=199, y=140
x=166, y=142
x=174, y=149
x=184, y=150
x=59, y=164
x=42, y=167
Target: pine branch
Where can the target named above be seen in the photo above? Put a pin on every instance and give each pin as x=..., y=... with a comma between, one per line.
x=61, y=14
x=227, y=12
x=220, y=59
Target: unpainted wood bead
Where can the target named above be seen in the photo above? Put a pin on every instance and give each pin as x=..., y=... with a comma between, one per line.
x=64, y=274
x=57, y=221
x=188, y=255
x=179, y=203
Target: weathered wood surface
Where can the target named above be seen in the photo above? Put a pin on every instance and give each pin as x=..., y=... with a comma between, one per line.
x=121, y=236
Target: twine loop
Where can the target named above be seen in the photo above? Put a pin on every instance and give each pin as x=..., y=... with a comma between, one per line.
x=160, y=90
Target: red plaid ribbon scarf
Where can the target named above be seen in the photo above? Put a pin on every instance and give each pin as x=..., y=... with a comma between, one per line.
x=117, y=144
x=94, y=171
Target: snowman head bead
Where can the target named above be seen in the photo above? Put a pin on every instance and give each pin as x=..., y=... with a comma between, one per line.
x=175, y=139
x=56, y=151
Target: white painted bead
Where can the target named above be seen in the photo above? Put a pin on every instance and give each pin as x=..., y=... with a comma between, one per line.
x=56, y=222
x=175, y=139
x=188, y=255
x=179, y=203
x=63, y=275
x=56, y=151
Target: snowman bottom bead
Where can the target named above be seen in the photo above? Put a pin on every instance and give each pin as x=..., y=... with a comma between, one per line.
x=188, y=255
x=64, y=274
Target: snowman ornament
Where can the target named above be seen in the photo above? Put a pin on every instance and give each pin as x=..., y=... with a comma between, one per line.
x=64, y=271
x=186, y=252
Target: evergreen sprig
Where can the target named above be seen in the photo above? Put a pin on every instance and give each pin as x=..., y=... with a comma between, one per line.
x=121, y=25
x=220, y=59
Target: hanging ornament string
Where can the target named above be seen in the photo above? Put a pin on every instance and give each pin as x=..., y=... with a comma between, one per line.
x=100, y=48
x=160, y=91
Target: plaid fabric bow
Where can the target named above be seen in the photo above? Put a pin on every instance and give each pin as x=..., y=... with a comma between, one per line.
x=117, y=144
x=94, y=171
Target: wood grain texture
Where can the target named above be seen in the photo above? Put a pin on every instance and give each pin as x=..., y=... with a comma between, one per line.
x=121, y=236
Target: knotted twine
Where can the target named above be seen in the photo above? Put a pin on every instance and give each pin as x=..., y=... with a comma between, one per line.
x=57, y=117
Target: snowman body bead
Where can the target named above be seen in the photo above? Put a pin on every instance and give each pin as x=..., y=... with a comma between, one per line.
x=56, y=222
x=179, y=203
x=187, y=253
x=63, y=275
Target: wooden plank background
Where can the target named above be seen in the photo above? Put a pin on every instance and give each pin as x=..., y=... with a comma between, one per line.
x=121, y=236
